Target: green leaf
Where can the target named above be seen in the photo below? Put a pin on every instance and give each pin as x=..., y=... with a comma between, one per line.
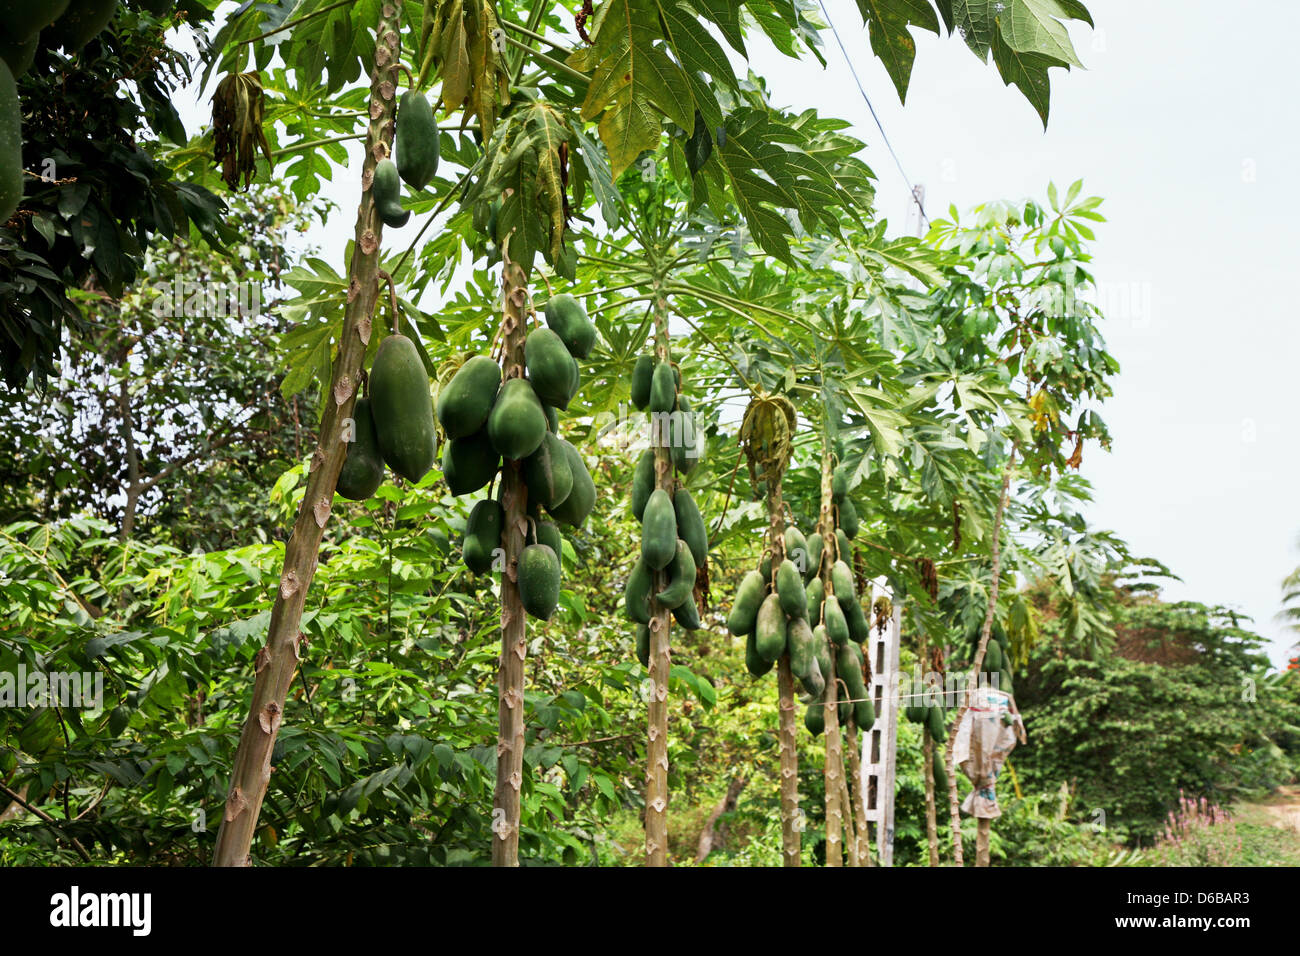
x=887, y=22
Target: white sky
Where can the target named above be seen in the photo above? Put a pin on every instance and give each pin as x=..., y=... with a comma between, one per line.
x=1186, y=121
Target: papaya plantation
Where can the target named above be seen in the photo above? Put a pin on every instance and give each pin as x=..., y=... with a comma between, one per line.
x=622, y=488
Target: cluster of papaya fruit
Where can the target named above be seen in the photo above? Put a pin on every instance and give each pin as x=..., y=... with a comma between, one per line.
x=997, y=656
x=932, y=721
x=417, y=153
x=487, y=421
x=392, y=423
x=657, y=389
x=24, y=26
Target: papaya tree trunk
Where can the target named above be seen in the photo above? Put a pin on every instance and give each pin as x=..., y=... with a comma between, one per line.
x=514, y=630
x=277, y=661
x=785, y=691
x=985, y=631
x=861, y=833
x=656, y=778
x=846, y=799
x=833, y=768
x=927, y=757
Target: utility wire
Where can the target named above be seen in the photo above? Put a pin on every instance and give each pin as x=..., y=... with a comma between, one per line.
x=911, y=184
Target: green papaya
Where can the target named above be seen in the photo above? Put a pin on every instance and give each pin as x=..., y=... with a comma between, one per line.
x=39, y=732
x=483, y=535
x=765, y=567
x=469, y=463
x=643, y=645
x=690, y=526
x=636, y=593
x=822, y=650
x=642, y=372
x=643, y=482
x=842, y=542
x=465, y=402
x=848, y=666
x=814, y=683
x=118, y=720
x=940, y=771
x=551, y=369
x=789, y=588
x=755, y=663
x=864, y=714
x=814, y=718
x=799, y=644
x=859, y=626
x=840, y=483
x=516, y=425
x=11, y=146
x=547, y=473
x=1004, y=682
x=842, y=584
x=849, y=518
x=814, y=594
x=659, y=530
x=845, y=711
x=567, y=318
x=681, y=578
x=993, y=657
x=552, y=419
x=23, y=19
x=683, y=439
x=934, y=723
x=387, y=193
x=813, y=567
x=81, y=22
x=417, y=140
x=363, y=466
x=402, y=408
x=744, y=610
x=575, y=508
x=796, y=548
x=836, y=626
x=663, y=392
x=687, y=615
x=539, y=581
x=18, y=54
x=548, y=534
x=915, y=713
x=770, y=629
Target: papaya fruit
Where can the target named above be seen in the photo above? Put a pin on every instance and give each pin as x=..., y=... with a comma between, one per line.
x=663, y=391
x=755, y=662
x=465, y=402
x=814, y=718
x=842, y=583
x=864, y=714
x=483, y=535
x=539, y=581
x=402, y=408
x=685, y=450
x=39, y=732
x=845, y=711
x=687, y=615
x=840, y=483
x=915, y=713
x=744, y=609
x=681, y=578
x=363, y=467
x=18, y=54
x=516, y=425
x=848, y=666
x=643, y=645
x=642, y=372
x=1004, y=682
x=934, y=723
x=799, y=645
x=568, y=319
x=548, y=533
x=815, y=593
x=23, y=19
x=765, y=567
x=940, y=771
x=814, y=683
x=789, y=588
x=690, y=526
x=575, y=508
x=815, y=546
x=849, y=518
x=387, y=193
x=822, y=650
x=636, y=593
x=993, y=656
x=11, y=146
x=547, y=473
x=659, y=530
x=837, y=628
x=796, y=548
x=469, y=463
x=551, y=369
x=770, y=629
x=845, y=549
x=643, y=482
x=81, y=22
x=552, y=419
x=859, y=626
x=417, y=140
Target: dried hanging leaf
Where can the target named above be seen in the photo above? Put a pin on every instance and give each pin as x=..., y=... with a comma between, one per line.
x=237, y=127
x=767, y=436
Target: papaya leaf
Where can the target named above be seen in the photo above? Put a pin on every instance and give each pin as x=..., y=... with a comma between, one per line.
x=887, y=22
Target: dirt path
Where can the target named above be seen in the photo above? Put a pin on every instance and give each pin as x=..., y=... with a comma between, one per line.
x=1283, y=808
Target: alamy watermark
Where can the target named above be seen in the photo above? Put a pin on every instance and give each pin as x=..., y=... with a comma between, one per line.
x=64, y=689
